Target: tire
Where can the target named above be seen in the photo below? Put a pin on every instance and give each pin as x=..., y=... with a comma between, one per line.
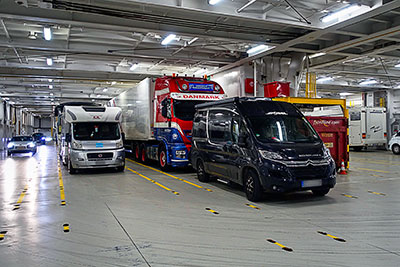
x=143, y=157
x=137, y=152
x=71, y=169
x=120, y=168
x=396, y=149
x=357, y=148
x=201, y=173
x=252, y=186
x=320, y=192
x=162, y=159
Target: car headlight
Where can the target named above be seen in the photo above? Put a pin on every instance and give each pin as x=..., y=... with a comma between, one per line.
x=120, y=144
x=10, y=145
x=271, y=155
x=76, y=145
x=327, y=153
x=31, y=144
x=48, y=139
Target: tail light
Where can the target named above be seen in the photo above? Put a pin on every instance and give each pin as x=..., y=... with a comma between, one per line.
x=385, y=134
x=364, y=136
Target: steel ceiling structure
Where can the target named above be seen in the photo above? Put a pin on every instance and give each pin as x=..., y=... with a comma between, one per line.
x=96, y=43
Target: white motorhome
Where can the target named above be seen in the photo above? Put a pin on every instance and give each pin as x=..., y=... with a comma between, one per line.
x=367, y=127
x=91, y=137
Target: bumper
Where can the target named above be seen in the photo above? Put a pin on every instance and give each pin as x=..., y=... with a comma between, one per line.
x=24, y=150
x=79, y=159
x=279, y=178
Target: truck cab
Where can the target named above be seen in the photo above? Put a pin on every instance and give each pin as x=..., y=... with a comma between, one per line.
x=91, y=137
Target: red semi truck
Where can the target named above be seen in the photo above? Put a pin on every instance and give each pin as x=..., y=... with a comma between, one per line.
x=158, y=117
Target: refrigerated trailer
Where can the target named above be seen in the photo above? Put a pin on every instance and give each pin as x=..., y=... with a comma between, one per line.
x=367, y=127
x=158, y=117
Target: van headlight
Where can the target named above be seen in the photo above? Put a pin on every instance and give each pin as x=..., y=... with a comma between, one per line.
x=76, y=145
x=271, y=155
x=31, y=144
x=120, y=144
x=10, y=145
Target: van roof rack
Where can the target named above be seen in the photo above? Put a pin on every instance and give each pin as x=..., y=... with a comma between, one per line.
x=232, y=100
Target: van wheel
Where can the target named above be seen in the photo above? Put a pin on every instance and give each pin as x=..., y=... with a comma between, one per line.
x=143, y=157
x=201, y=173
x=162, y=159
x=396, y=149
x=137, y=152
x=320, y=192
x=71, y=169
x=252, y=186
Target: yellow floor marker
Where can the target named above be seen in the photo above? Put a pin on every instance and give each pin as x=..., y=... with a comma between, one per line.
x=252, y=206
x=2, y=235
x=349, y=196
x=376, y=193
x=170, y=175
x=212, y=211
x=66, y=227
x=21, y=197
x=280, y=245
x=332, y=236
x=154, y=182
x=61, y=184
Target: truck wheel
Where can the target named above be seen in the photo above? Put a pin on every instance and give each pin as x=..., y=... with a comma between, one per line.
x=320, y=192
x=201, y=173
x=358, y=148
x=143, y=157
x=162, y=159
x=137, y=152
x=71, y=169
x=396, y=149
x=252, y=186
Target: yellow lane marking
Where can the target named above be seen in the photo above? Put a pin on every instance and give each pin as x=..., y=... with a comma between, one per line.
x=212, y=211
x=61, y=184
x=349, y=196
x=21, y=197
x=170, y=175
x=332, y=236
x=280, y=245
x=154, y=182
x=371, y=170
x=376, y=193
x=2, y=235
x=66, y=227
x=252, y=206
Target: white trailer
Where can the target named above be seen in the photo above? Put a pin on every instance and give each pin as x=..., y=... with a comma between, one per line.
x=91, y=137
x=367, y=127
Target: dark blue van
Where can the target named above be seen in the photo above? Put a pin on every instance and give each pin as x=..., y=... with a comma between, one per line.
x=264, y=145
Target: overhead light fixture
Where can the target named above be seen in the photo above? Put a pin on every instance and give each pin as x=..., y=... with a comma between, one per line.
x=49, y=61
x=259, y=49
x=368, y=82
x=317, y=55
x=213, y=2
x=133, y=67
x=50, y=80
x=397, y=66
x=98, y=95
x=105, y=90
x=200, y=71
x=325, y=79
x=93, y=100
x=47, y=33
x=345, y=94
x=113, y=83
x=193, y=40
x=246, y=5
x=342, y=13
x=168, y=39
x=50, y=86
x=51, y=94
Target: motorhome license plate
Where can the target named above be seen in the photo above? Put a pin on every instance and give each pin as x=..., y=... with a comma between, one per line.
x=311, y=183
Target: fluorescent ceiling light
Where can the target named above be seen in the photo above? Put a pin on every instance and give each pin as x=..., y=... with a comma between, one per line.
x=49, y=61
x=258, y=49
x=368, y=82
x=168, y=39
x=50, y=86
x=113, y=83
x=47, y=33
x=325, y=79
x=213, y=2
x=200, y=71
x=98, y=95
x=340, y=14
x=50, y=80
x=193, y=40
x=105, y=90
x=317, y=55
x=246, y=5
x=397, y=66
x=134, y=66
x=346, y=94
x=51, y=94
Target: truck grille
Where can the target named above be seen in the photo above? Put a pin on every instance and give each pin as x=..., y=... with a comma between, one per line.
x=99, y=156
x=309, y=172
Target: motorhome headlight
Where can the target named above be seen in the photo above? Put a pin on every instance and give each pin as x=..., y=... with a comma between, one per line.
x=180, y=154
x=327, y=153
x=31, y=144
x=120, y=144
x=10, y=145
x=175, y=136
x=271, y=155
x=76, y=145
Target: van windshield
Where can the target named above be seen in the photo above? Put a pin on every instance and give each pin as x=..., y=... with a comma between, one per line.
x=184, y=109
x=96, y=131
x=283, y=129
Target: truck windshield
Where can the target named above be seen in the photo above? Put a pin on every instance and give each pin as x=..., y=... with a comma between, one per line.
x=96, y=131
x=285, y=129
x=184, y=109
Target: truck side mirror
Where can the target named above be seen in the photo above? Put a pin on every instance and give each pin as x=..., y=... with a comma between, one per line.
x=243, y=139
x=166, y=108
x=68, y=138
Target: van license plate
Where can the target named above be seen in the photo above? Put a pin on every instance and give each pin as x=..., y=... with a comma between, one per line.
x=311, y=183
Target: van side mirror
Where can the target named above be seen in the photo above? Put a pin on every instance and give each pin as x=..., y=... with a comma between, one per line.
x=68, y=138
x=166, y=108
x=243, y=139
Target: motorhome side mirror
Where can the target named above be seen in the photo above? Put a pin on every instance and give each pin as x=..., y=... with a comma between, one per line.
x=68, y=138
x=166, y=108
x=243, y=139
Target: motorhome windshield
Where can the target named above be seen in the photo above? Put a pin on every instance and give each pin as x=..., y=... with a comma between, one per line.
x=96, y=131
x=283, y=129
x=184, y=109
